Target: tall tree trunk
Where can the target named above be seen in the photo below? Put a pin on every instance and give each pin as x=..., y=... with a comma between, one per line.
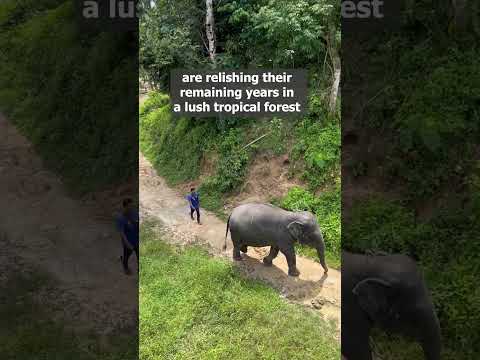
x=337, y=70
x=210, y=30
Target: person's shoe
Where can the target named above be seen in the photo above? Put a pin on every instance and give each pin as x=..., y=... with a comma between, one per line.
x=127, y=271
x=199, y=223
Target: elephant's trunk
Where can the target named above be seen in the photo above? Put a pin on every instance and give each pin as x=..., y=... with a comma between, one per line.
x=321, y=255
x=431, y=337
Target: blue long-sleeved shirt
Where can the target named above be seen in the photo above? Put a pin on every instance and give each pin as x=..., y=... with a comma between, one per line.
x=194, y=200
x=128, y=225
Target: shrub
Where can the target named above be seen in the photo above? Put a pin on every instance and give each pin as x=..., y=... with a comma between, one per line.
x=319, y=145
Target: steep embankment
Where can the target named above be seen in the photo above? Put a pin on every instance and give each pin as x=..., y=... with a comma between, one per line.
x=60, y=86
x=312, y=288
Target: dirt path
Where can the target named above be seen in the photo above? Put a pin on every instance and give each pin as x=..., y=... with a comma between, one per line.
x=312, y=288
x=46, y=229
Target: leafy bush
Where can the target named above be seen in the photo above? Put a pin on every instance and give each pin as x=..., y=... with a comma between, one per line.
x=391, y=223
x=275, y=33
x=169, y=38
x=438, y=124
x=62, y=87
x=175, y=147
x=319, y=145
x=231, y=167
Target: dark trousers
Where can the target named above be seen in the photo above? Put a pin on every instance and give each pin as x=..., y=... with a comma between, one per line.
x=126, y=255
x=192, y=210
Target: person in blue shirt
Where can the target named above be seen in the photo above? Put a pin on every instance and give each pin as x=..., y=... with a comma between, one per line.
x=194, y=201
x=128, y=227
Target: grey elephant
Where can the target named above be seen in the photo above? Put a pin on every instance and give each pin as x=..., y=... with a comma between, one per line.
x=387, y=291
x=267, y=225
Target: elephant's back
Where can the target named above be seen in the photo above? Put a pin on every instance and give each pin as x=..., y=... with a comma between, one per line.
x=356, y=267
x=257, y=211
x=256, y=215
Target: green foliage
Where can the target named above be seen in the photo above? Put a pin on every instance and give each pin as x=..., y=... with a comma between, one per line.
x=61, y=88
x=260, y=33
x=327, y=208
x=438, y=121
x=276, y=33
x=169, y=38
x=320, y=147
x=390, y=221
x=175, y=147
x=153, y=101
x=230, y=172
x=278, y=135
x=231, y=167
x=195, y=306
x=14, y=12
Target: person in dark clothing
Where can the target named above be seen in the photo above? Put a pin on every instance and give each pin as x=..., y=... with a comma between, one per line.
x=194, y=201
x=128, y=226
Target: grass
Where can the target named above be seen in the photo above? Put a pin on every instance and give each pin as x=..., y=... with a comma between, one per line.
x=395, y=347
x=193, y=306
x=28, y=331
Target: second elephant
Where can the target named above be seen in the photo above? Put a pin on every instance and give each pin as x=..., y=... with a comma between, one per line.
x=267, y=225
x=388, y=292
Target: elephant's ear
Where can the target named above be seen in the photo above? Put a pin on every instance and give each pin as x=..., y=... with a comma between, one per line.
x=372, y=295
x=296, y=229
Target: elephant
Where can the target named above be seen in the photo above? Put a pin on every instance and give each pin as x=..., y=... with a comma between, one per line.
x=259, y=225
x=389, y=292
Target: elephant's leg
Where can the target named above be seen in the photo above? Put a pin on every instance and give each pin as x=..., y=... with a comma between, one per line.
x=291, y=261
x=355, y=344
x=236, y=253
x=237, y=245
x=272, y=255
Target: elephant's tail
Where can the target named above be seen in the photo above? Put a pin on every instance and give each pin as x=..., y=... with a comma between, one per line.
x=226, y=233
